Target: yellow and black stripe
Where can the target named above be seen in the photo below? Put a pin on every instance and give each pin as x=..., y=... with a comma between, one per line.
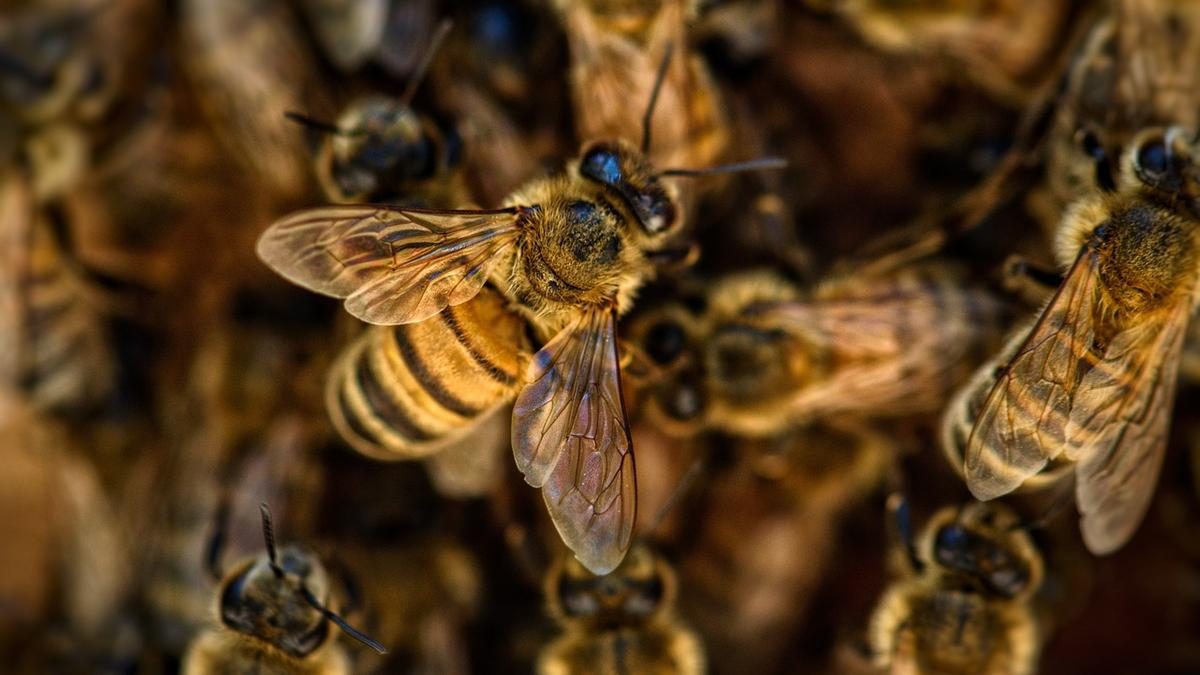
x=404, y=391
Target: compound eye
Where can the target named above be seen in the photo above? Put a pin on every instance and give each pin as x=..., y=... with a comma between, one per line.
x=602, y=165
x=665, y=341
x=950, y=542
x=1153, y=158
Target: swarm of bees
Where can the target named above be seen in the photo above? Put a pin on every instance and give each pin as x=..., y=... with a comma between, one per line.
x=827, y=336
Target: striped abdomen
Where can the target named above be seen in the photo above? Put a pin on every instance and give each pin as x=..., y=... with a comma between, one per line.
x=405, y=391
x=54, y=345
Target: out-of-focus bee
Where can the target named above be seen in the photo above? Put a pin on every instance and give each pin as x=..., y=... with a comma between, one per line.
x=620, y=622
x=382, y=150
x=53, y=342
x=66, y=577
x=274, y=613
x=463, y=288
x=245, y=105
x=63, y=68
x=1136, y=69
x=964, y=601
x=1091, y=382
x=616, y=48
x=771, y=531
x=1004, y=46
x=763, y=358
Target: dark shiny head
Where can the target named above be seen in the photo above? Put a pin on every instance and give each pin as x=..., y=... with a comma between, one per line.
x=984, y=544
x=384, y=145
x=259, y=602
x=637, y=591
x=962, y=550
x=624, y=170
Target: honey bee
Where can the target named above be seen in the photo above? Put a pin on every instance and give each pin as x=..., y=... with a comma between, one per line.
x=245, y=106
x=964, y=602
x=382, y=150
x=54, y=343
x=1003, y=46
x=620, y=622
x=762, y=358
x=274, y=612
x=1091, y=383
x=562, y=259
x=774, y=525
x=615, y=47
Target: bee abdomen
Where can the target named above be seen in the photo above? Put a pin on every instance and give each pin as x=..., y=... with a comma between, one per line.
x=404, y=391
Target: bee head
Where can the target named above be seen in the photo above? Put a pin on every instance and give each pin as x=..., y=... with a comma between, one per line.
x=265, y=600
x=983, y=542
x=623, y=169
x=638, y=590
x=746, y=362
x=379, y=143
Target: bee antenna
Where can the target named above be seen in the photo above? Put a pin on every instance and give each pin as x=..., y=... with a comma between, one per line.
x=15, y=66
x=418, y=75
x=318, y=125
x=760, y=164
x=901, y=520
x=658, y=80
x=341, y=623
x=216, y=542
x=269, y=538
x=681, y=488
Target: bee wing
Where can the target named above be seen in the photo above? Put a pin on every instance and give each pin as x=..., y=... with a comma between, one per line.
x=1118, y=429
x=392, y=265
x=570, y=438
x=1022, y=424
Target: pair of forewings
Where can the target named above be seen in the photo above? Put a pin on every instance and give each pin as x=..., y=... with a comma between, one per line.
x=569, y=434
x=1105, y=407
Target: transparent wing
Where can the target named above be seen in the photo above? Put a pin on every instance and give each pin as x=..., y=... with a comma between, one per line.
x=1118, y=428
x=570, y=438
x=1022, y=424
x=391, y=265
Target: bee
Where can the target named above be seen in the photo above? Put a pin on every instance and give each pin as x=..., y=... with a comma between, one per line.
x=274, y=613
x=244, y=105
x=67, y=582
x=382, y=150
x=614, y=48
x=774, y=525
x=762, y=358
x=1091, y=382
x=1124, y=79
x=1004, y=47
x=620, y=622
x=964, y=602
x=464, y=289
x=54, y=343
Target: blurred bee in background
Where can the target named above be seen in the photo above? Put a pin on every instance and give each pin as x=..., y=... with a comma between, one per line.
x=772, y=527
x=66, y=577
x=1091, y=383
x=245, y=106
x=1007, y=48
x=274, y=613
x=623, y=621
x=564, y=257
x=761, y=358
x=54, y=344
x=66, y=69
x=615, y=48
x=964, y=599
x=383, y=150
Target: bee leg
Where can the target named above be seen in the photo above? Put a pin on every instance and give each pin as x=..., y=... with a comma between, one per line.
x=900, y=528
x=1029, y=279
